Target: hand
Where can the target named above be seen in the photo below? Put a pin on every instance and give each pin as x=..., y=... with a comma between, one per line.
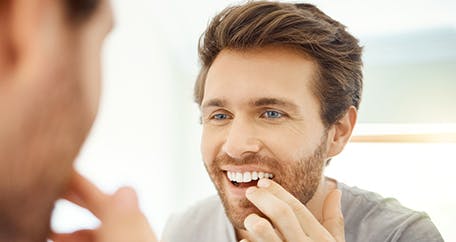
x=119, y=214
x=291, y=220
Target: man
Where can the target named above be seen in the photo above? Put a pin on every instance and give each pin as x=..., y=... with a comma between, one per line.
x=49, y=91
x=279, y=90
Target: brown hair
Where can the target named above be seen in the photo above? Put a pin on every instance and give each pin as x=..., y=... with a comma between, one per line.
x=300, y=26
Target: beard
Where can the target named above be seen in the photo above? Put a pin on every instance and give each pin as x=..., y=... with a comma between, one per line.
x=300, y=178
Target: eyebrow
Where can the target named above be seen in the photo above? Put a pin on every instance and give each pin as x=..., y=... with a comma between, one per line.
x=283, y=103
x=271, y=101
x=265, y=101
x=213, y=103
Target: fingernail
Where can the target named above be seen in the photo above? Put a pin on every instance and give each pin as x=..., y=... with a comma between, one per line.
x=250, y=190
x=249, y=220
x=264, y=183
x=125, y=198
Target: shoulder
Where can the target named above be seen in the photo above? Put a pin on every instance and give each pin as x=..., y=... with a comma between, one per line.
x=202, y=210
x=193, y=223
x=371, y=217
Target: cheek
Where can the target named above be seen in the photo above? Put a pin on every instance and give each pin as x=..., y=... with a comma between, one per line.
x=95, y=87
x=91, y=76
x=287, y=143
x=208, y=146
x=91, y=39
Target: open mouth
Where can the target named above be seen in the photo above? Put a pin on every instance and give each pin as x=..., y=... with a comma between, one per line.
x=247, y=179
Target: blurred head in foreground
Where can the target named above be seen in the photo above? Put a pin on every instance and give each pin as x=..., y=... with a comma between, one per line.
x=49, y=94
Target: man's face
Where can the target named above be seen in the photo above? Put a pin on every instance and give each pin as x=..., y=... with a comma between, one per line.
x=85, y=38
x=61, y=99
x=260, y=118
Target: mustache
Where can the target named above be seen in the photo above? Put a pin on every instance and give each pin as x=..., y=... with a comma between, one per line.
x=251, y=159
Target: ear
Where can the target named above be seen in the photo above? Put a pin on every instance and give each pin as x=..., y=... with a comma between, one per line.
x=5, y=40
x=341, y=131
x=28, y=31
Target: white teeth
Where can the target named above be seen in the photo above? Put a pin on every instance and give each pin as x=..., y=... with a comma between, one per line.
x=254, y=175
x=238, y=177
x=247, y=176
x=230, y=175
x=260, y=174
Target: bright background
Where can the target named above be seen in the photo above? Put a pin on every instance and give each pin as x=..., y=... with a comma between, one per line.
x=147, y=133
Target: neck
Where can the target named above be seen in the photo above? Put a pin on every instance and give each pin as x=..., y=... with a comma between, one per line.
x=25, y=215
x=29, y=186
x=315, y=205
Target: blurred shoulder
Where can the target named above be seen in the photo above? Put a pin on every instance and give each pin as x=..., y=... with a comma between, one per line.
x=204, y=221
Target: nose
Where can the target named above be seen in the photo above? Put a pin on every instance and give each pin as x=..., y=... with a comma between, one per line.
x=241, y=140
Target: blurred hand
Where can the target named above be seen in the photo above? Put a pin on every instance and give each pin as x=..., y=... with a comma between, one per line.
x=119, y=214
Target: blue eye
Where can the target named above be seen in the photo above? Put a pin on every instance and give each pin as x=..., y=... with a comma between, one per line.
x=272, y=114
x=220, y=116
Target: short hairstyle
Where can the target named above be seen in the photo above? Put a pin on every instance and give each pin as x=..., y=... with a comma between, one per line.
x=300, y=26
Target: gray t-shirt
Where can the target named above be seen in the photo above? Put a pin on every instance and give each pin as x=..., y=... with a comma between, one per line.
x=368, y=218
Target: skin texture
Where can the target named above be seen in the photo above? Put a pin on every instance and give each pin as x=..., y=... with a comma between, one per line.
x=50, y=78
x=259, y=113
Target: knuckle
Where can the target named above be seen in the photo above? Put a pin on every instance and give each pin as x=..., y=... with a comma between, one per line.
x=261, y=227
x=300, y=209
x=281, y=211
x=335, y=222
x=340, y=221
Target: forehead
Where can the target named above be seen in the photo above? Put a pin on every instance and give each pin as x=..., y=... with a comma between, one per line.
x=271, y=72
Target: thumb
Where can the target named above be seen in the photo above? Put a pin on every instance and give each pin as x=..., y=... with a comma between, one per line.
x=333, y=219
x=124, y=221
x=125, y=200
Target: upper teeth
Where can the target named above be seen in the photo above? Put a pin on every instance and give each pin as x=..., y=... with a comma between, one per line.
x=247, y=176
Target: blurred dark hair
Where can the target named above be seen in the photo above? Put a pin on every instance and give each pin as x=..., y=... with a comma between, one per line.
x=79, y=10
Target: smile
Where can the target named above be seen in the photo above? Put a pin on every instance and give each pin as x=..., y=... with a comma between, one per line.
x=246, y=177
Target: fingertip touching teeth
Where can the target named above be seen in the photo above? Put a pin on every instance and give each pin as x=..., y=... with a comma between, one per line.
x=244, y=177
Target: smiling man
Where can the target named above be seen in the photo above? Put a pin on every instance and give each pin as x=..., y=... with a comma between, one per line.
x=279, y=90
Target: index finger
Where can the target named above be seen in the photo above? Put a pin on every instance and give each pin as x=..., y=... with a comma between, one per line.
x=85, y=194
x=307, y=220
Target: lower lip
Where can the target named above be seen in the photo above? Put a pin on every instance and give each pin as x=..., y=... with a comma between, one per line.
x=237, y=191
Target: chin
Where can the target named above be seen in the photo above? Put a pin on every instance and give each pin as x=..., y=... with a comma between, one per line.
x=237, y=209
